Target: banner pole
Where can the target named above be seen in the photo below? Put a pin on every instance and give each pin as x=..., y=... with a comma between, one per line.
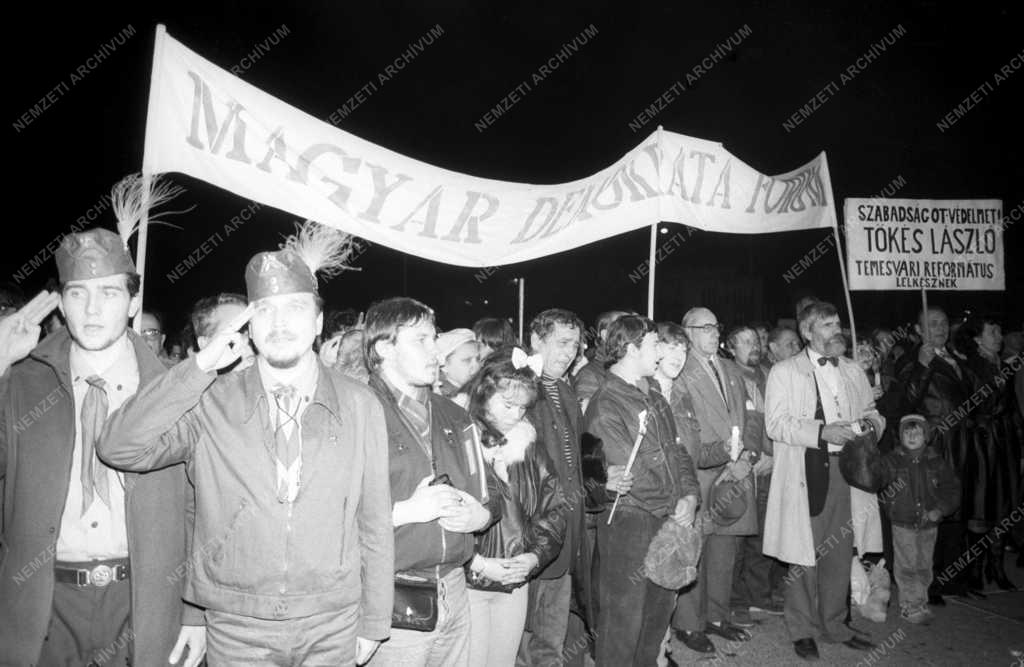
x=522, y=308
x=651, y=267
x=846, y=291
x=147, y=171
x=924, y=306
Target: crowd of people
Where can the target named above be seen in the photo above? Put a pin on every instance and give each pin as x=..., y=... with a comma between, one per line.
x=300, y=485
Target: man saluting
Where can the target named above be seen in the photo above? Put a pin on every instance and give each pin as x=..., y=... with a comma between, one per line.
x=293, y=551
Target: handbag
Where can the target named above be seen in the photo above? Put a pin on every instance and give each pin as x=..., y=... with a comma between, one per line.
x=415, y=606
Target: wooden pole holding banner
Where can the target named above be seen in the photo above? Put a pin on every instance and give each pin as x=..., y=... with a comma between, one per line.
x=147, y=171
x=522, y=308
x=846, y=291
x=924, y=315
x=650, y=267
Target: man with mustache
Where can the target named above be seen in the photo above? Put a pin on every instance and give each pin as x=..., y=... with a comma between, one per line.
x=815, y=403
x=755, y=576
x=292, y=556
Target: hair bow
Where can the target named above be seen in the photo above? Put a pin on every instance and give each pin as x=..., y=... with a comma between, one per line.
x=534, y=361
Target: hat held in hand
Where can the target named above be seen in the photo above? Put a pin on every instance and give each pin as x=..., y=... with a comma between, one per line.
x=672, y=557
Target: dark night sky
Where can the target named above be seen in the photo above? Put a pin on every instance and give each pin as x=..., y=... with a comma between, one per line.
x=880, y=127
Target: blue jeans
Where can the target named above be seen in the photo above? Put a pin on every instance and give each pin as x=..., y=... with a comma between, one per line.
x=447, y=645
x=913, y=548
x=321, y=639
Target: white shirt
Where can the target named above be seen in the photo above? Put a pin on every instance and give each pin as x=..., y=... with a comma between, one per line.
x=101, y=532
x=835, y=404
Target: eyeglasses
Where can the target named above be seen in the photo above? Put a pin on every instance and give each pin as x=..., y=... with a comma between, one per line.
x=152, y=333
x=708, y=328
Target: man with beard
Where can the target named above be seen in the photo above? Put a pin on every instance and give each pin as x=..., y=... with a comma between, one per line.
x=935, y=384
x=89, y=553
x=815, y=403
x=555, y=335
x=756, y=578
x=293, y=550
x=442, y=489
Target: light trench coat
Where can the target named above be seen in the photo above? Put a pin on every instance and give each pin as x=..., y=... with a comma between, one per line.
x=790, y=401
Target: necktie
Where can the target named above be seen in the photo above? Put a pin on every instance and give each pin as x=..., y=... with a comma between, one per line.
x=718, y=379
x=828, y=360
x=94, y=413
x=287, y=441
x=417, y=414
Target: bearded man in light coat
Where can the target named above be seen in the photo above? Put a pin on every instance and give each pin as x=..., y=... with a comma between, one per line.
x=815, y=403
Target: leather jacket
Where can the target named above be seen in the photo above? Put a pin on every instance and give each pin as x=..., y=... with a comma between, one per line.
x=533, y=518
x=663, y=471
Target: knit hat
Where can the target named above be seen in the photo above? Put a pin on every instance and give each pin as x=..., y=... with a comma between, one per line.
x=911, y=420
x=449, y=341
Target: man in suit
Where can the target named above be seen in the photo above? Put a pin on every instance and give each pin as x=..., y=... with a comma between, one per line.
x=719, y=401
x=88, y=572
x=815, y=403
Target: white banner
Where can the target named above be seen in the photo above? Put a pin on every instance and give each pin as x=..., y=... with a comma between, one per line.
x=934, y=244
x=209, y=124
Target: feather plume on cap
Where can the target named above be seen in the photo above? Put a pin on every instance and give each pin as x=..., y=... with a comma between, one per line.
x=129, y=199
x=325, y=250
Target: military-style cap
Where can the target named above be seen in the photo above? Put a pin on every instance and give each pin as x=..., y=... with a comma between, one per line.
x=94, y=253
x=292, y=269
x=277, y=272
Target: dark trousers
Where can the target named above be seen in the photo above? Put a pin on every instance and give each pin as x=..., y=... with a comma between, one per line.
x=548, y=618
x=816, y=597
x=755, y=576
x=948, y=577
x=634, y=612
x=90, y=625
x=707, y=599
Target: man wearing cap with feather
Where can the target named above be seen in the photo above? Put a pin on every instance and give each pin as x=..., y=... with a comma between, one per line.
x=88, y=554
x=293, y=553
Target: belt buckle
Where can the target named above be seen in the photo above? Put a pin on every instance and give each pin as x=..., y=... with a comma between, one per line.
x=101, y=575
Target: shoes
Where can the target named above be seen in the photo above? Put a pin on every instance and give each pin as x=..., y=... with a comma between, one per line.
x=974, y=594
x=994, y=571
x=741, y=618
x=727, y=631
x=695, y=641
x=917, y=615
x=774, y=608
x=859, y=644
x=806, y=649
x=936, y=600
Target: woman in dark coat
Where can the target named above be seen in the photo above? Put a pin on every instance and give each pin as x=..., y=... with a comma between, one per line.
x=996, y=436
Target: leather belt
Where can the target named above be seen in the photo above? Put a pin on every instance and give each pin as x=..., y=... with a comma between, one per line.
x=834, y=453
x=100, y=573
